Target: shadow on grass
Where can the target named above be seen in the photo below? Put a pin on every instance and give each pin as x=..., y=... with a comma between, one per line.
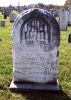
x=44, y=95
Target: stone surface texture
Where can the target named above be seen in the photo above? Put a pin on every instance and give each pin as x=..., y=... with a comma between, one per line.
x=35, y=47
x=63, y=19
x=12, y=17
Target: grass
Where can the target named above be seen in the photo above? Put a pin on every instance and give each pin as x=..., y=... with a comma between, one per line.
x=64, y=74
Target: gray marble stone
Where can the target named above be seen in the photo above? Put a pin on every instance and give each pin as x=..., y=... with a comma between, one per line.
x=69, y=16
x=63, y=19
x=12, y=17
x=35, y=45
x=54, y=12
x=7, y=11
x=2, y=23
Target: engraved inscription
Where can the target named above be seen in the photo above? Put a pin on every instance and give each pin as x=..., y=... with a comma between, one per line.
x=35, y=32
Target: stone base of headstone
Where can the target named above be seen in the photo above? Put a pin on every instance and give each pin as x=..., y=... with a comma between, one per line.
x=30, y=86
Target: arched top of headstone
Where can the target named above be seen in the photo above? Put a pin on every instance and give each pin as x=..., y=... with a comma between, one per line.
x=41, y=15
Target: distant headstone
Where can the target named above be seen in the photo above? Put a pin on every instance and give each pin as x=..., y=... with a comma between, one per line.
x=69, y=16
x=36, y=39
x=54, y=12
x=69, y=38
x=5, y=16
x=63, y=19
x=6, y=12
x=2, y=23
x=12, y=17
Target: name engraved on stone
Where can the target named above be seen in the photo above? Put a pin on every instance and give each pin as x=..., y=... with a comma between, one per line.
x=35, y=34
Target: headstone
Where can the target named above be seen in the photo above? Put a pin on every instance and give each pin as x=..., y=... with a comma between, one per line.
x=54, y=12
x=36, y=39
x=63, y=19
x=5, y=16
x=69, y=16
x=2, y=23
x=12, y=17
x=69, y=38
x=7, y=11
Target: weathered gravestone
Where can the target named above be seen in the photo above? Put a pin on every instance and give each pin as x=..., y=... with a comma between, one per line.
x=2, y=23
x=63, y=19
x=12, y=17
x=69, y=16
x=6, y=12
x=54, y=12
x=36, y=39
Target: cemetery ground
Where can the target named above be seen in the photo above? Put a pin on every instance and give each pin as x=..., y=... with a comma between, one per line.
x=64, y=71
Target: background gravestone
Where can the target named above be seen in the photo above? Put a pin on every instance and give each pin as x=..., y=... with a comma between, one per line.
x=6, y=12
x=69, y=16
x=63, y=19
x=12, y=17
x=2, y=23
x=36, y=39
x=54, y=12
x=5, y=16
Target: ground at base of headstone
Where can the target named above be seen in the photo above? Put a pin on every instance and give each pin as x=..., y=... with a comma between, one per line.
x=29, y=86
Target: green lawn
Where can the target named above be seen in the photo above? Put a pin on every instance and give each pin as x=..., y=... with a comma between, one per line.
x=64, y=74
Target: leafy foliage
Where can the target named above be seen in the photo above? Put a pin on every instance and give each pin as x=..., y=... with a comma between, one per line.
x=67, y=3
